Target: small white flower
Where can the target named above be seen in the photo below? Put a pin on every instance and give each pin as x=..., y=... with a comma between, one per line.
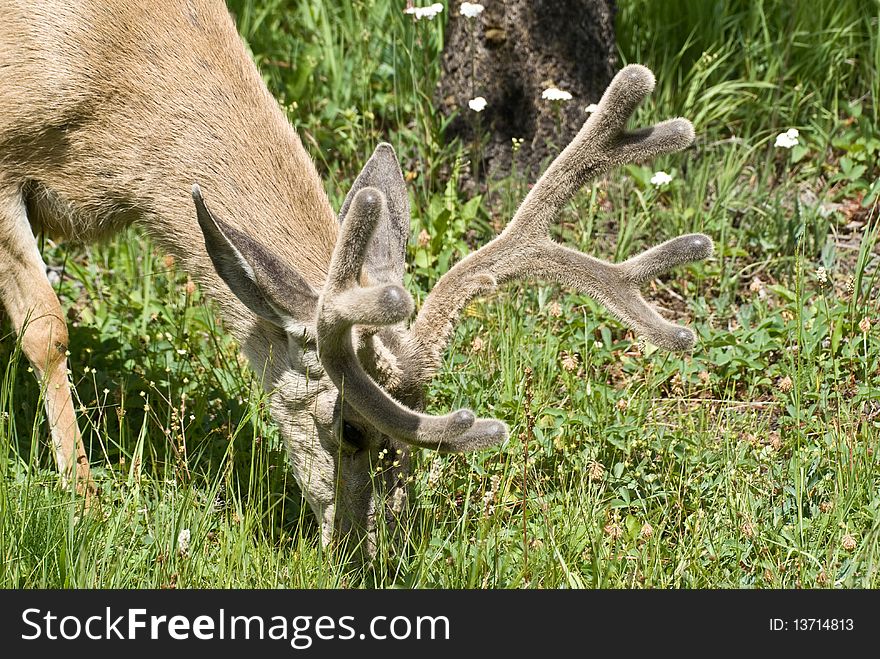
x=183, y=542
x=434, y=474
x=424, y=12
x=477, y=104
x=591, y=108
x=787, y=139
x=660, y=178
x=471, y=9
x=554, y=94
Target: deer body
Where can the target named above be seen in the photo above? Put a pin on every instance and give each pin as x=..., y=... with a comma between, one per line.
x=116, y=109
x=110, y=110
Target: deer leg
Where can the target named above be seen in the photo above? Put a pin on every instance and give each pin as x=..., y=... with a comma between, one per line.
x=37, y=317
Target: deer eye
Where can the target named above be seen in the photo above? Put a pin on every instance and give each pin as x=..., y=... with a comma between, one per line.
x=353, y=436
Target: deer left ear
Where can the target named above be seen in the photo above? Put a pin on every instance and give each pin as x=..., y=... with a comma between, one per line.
x=263, y=282
x=385, y=259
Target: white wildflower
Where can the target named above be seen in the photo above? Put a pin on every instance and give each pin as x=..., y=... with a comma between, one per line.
x=660, y=179
x=471, y=9
x=554, y=94
x=183, y=542
x=424, y=12
x=757, y=286
x=787, y=139
x=435, y=473
x=591, y=108
x=491, y=494
x=477, y=104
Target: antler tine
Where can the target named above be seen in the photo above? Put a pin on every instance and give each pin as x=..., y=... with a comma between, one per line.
x=600, y=145
x=617, y=286
x=646, y=266
x=344, y=304
x=525, y=248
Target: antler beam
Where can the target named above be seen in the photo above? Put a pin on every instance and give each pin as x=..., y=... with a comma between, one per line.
x=525, y=250
x=343, y=304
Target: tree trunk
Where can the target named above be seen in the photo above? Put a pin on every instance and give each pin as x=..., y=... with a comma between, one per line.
x=509, y=55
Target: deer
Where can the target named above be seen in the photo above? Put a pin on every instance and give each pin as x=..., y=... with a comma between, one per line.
x=152, y=113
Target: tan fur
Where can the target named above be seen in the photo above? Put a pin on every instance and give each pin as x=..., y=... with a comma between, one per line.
x=110, y=111
x=115, y=108
x=119, y=105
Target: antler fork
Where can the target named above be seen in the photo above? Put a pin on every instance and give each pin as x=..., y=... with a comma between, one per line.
x=523, y=249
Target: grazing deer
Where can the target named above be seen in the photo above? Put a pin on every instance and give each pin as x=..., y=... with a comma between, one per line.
x=111, y=110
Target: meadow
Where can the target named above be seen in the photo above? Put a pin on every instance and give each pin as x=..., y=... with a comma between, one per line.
x=753, y=462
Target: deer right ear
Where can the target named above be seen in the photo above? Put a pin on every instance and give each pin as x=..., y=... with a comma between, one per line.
x=385, y=259
x=263, y=282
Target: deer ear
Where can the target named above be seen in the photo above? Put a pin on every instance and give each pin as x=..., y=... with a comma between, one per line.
x=385, y=259
x=263, y=282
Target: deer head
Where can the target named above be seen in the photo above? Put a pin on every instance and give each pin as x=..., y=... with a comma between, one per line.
x=349, y=390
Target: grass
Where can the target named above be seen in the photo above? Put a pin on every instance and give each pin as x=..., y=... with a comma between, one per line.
x=751, y=463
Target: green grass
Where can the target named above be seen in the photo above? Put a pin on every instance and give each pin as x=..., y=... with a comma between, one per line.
x=751, y=463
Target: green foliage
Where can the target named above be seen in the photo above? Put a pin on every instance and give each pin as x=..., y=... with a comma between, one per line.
x=441, y=228
x=349, y=74
x=772, y=59
x=751, y=463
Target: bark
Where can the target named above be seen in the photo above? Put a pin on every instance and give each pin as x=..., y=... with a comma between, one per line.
x=509, y=55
